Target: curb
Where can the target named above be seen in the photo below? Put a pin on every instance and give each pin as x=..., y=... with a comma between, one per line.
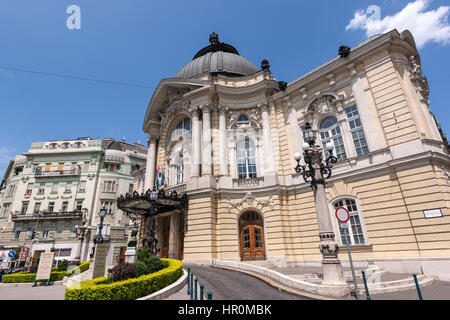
x=277, y=285
x=169, y=290
x=28, y=284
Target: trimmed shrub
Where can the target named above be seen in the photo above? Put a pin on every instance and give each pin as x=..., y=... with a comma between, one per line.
x=154, y=264
x=128, y=289
x=141, y=268
x=143, y=254
x=30, y=277
x=79, y=269
x=123, y=271
x=63, y=265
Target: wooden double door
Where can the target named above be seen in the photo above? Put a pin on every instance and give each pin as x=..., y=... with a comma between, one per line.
x=251, y=232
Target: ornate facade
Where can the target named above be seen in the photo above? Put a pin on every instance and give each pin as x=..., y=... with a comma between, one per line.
x=225, y=132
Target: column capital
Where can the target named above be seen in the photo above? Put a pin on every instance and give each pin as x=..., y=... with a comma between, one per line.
x=152, y=138
x=264, y=107
x=194, y=111
x=206, y=107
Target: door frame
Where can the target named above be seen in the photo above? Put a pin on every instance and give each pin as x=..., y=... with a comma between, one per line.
x=263, y=226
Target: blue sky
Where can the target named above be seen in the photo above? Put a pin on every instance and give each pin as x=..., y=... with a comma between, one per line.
x=141, y=41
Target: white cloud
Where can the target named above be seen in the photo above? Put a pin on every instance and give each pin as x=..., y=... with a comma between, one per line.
x=426, y=26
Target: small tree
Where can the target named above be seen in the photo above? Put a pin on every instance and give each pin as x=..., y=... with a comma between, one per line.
x=63, y=265
x=123, y=271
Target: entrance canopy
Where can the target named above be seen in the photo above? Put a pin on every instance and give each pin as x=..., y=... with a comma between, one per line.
x=152, y=203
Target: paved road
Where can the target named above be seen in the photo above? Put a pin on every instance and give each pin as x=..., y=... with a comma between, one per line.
x=232, y=285
x=53, y=292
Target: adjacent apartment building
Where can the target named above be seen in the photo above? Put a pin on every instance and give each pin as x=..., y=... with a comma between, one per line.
x=54, y=192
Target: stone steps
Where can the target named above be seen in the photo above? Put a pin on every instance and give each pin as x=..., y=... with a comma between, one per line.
x=405, y=284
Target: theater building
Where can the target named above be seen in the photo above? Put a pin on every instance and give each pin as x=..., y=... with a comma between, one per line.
x=225, y=132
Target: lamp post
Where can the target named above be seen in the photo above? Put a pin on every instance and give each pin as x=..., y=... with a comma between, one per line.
x=151, y=228
x=99, y=237
x=80, y=231
x=316, y=171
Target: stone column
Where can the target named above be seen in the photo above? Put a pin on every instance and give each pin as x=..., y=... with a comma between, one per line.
x=223, y=154
x=174, y=236
x=196, y=143
x=206, y=154
x=333, y=282
x=151, y=163
x=270, y=162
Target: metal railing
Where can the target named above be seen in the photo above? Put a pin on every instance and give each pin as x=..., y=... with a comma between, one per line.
x=419, y=293
x=57, y=173
x=192, y=288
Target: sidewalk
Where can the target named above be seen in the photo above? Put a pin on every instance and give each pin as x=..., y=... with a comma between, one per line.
x=180, y=295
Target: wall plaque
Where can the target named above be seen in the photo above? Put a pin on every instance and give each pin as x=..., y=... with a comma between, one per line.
x=434, y=213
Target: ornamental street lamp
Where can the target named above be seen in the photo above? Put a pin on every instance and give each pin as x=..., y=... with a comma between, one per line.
x=99, y=237
x=80, y=232
x=316, y=171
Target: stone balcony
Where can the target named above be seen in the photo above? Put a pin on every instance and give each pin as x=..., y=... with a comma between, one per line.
x=248, y=183
x=179, y=188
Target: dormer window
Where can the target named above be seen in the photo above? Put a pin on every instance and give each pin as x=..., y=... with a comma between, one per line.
x=52, y=146
x=65, y=145
x=78, y=145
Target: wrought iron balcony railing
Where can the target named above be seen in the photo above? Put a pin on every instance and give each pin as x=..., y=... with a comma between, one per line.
x=57, y=173
x=46, y=215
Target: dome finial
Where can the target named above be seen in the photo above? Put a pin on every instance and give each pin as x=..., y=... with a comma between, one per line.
x=213, y=38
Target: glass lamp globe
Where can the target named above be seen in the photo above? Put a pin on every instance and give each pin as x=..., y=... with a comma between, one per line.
x=297, y=156
x=306, y=146
x=309, y=135
x=102, y=213
x=329, y=146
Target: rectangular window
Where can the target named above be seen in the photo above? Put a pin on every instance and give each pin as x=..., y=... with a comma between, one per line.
x=24, y=208
x=82, y=186
x=356, y=130
x=29, y=188
x=108, y=205
x=45, y=233
x=59, y=230
x=354, y=234
x=79, y=205
x=105, y=230
x=109, y=186
x=130, y=188
x=5, y=209
x=86, y=166
x=63, y=252
x=51, y=206
x=55, y=187
x=68, y=187
x=61, y=166
x=111, y=167
x=16, y=234
x=65, y=206
x=37, y=207
x=41, y=188
x=11, y=190
x=48, y=166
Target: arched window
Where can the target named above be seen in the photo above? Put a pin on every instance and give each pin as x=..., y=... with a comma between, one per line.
x=246, y=159
x=243, y=120
x=78, y=145
x=183, y=128
x=355, y=126
x=354, y=234
x=180, y=171
x=330, y=131
x=65, y=145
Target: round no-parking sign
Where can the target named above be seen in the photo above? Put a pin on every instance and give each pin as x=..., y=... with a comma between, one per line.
x=342, y=215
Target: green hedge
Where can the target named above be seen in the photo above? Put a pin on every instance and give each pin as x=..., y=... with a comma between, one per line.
x=127, y=289
x=30, y=277
x=82, y=268
x=54, y=276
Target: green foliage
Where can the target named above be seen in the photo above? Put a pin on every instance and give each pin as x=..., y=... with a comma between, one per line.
x=141, y=268
x=96, y=289
x=143, y=253
x=154, y=264
x=79, y=269
x=123, y=271
x=30, y=277
x=63, y=265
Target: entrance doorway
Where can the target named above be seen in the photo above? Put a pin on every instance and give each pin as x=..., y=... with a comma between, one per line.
x=165, y=226
x=251, y=231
